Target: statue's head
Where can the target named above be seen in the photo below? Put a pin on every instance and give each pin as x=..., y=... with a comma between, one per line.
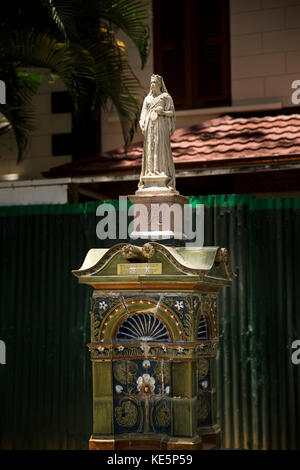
x=157, y=81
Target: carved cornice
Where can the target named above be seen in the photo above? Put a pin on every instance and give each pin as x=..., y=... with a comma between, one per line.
x=152, y=350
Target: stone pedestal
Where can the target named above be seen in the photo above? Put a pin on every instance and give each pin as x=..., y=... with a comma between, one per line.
x=158, y=216
x=153, y=345
x=155, y=184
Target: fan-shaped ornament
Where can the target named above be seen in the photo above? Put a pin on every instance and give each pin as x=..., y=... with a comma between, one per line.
x=142, y=327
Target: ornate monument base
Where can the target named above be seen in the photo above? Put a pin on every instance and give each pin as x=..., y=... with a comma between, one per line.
x=153, y=313
x=153, y=345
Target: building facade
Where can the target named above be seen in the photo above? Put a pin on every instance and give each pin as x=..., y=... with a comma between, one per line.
x=229, y=57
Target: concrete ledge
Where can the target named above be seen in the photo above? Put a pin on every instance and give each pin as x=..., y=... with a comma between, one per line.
x=144, y=442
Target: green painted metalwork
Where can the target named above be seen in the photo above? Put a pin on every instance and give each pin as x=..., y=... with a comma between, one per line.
x=45, y=386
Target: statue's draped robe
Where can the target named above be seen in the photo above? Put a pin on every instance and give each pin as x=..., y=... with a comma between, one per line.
x=157, y=130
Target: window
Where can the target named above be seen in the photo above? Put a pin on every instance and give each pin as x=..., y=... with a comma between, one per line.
x=61, y=102
x=62, y=144
x=191, y=51
x=84, y=140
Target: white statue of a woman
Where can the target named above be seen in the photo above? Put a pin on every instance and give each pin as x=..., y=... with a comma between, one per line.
x=157, y=122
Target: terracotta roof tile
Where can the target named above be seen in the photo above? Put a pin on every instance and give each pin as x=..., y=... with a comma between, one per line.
x=222, y=141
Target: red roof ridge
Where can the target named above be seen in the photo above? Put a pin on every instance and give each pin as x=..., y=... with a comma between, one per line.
x=225, y=137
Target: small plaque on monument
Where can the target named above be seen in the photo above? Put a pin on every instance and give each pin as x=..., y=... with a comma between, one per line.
x=139, y=268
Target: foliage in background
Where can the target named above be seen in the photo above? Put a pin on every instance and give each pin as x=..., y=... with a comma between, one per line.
x=76, y=41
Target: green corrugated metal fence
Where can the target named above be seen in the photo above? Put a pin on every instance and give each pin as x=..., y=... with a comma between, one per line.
x=45, y=386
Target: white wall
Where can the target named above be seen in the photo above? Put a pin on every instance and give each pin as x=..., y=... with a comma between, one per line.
x=30, y=192
x=38, y=157
x=265, y=49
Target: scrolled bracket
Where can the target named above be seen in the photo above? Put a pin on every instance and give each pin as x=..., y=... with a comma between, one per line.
x=132, y=252
x=223, y=256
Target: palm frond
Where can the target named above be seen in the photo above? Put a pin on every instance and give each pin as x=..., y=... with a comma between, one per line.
x=115, y=80
x=76, y=41
x=65, y=15
x=57, y=20
x=19, y=109
x=5, y=126
x=71, y=62
x=130, y=16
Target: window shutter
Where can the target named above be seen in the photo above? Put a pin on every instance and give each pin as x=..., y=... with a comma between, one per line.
x=169, y=38
x=191, y=51
x=210, y=49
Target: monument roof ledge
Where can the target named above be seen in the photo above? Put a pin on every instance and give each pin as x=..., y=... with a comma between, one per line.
x=191, y=260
